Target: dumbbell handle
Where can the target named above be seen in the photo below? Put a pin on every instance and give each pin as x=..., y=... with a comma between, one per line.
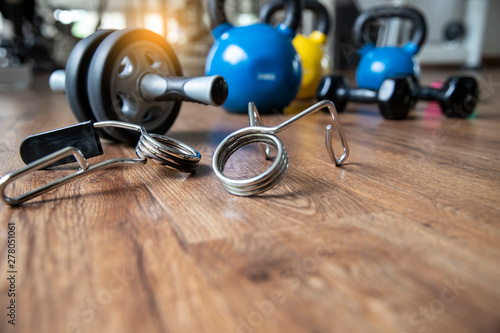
x=426, y=93
x=358, y=95
x=211, y=90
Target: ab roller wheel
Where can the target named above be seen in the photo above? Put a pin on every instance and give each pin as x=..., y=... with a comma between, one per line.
x=310, y=48
x=76, y=71
x=115, y=73
x=134, y=76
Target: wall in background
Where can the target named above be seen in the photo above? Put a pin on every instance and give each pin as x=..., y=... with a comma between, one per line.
x=439, y=14
x=193, y=37
x=492, y=37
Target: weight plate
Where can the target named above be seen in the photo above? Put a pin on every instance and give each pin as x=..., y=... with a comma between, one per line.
x=459, y=96
x=76, y=74
x=114, y=77
x=330, y=87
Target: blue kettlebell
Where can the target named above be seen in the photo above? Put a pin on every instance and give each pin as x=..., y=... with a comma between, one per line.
x=259, y=62
x=380, y=63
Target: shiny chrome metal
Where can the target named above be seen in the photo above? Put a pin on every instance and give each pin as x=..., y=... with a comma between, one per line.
x=160, y=148
x=265, y=136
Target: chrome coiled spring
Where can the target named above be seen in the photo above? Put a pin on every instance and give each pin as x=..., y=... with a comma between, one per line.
x=160, y=148
x=265, y=136
x=260, y=183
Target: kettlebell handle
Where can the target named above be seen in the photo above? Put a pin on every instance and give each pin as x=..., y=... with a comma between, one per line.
x=292, y=19
x=323, y=19
x=376, y=13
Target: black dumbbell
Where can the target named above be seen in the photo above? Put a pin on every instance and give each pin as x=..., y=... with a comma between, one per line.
x=132, y=75
x=393, y=97
x=457, y=98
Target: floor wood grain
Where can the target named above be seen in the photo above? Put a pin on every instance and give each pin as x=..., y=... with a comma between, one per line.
x=405, y=237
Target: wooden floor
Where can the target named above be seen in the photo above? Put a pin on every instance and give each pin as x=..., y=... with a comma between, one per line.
x=404, y=238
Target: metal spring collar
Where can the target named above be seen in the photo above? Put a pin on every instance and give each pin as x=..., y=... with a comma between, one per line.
x=257, y=133
x=160, y=148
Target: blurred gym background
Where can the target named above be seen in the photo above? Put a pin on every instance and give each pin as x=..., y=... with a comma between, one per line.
x=38, y=35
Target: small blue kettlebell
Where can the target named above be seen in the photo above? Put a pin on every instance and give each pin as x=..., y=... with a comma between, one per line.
x=380, y=63
x=259, y=62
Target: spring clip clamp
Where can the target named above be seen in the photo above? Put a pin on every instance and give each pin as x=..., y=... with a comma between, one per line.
x=265, y=136
x=81, y=142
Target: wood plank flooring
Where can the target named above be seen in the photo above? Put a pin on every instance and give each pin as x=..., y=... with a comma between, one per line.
x=405, y=237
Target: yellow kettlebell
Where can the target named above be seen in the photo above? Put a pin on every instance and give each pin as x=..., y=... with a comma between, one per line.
x=314, y=61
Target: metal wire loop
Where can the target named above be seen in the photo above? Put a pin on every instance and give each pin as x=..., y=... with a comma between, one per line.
x=265, y=136
x=160, y=148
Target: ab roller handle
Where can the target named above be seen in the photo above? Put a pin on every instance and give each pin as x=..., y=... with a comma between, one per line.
x=57, y=80
x=210, y=90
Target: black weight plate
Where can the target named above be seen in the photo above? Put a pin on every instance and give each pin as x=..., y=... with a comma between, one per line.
x=76, y=71
x=460, y=95
x=329, y=87
x=113, y=81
